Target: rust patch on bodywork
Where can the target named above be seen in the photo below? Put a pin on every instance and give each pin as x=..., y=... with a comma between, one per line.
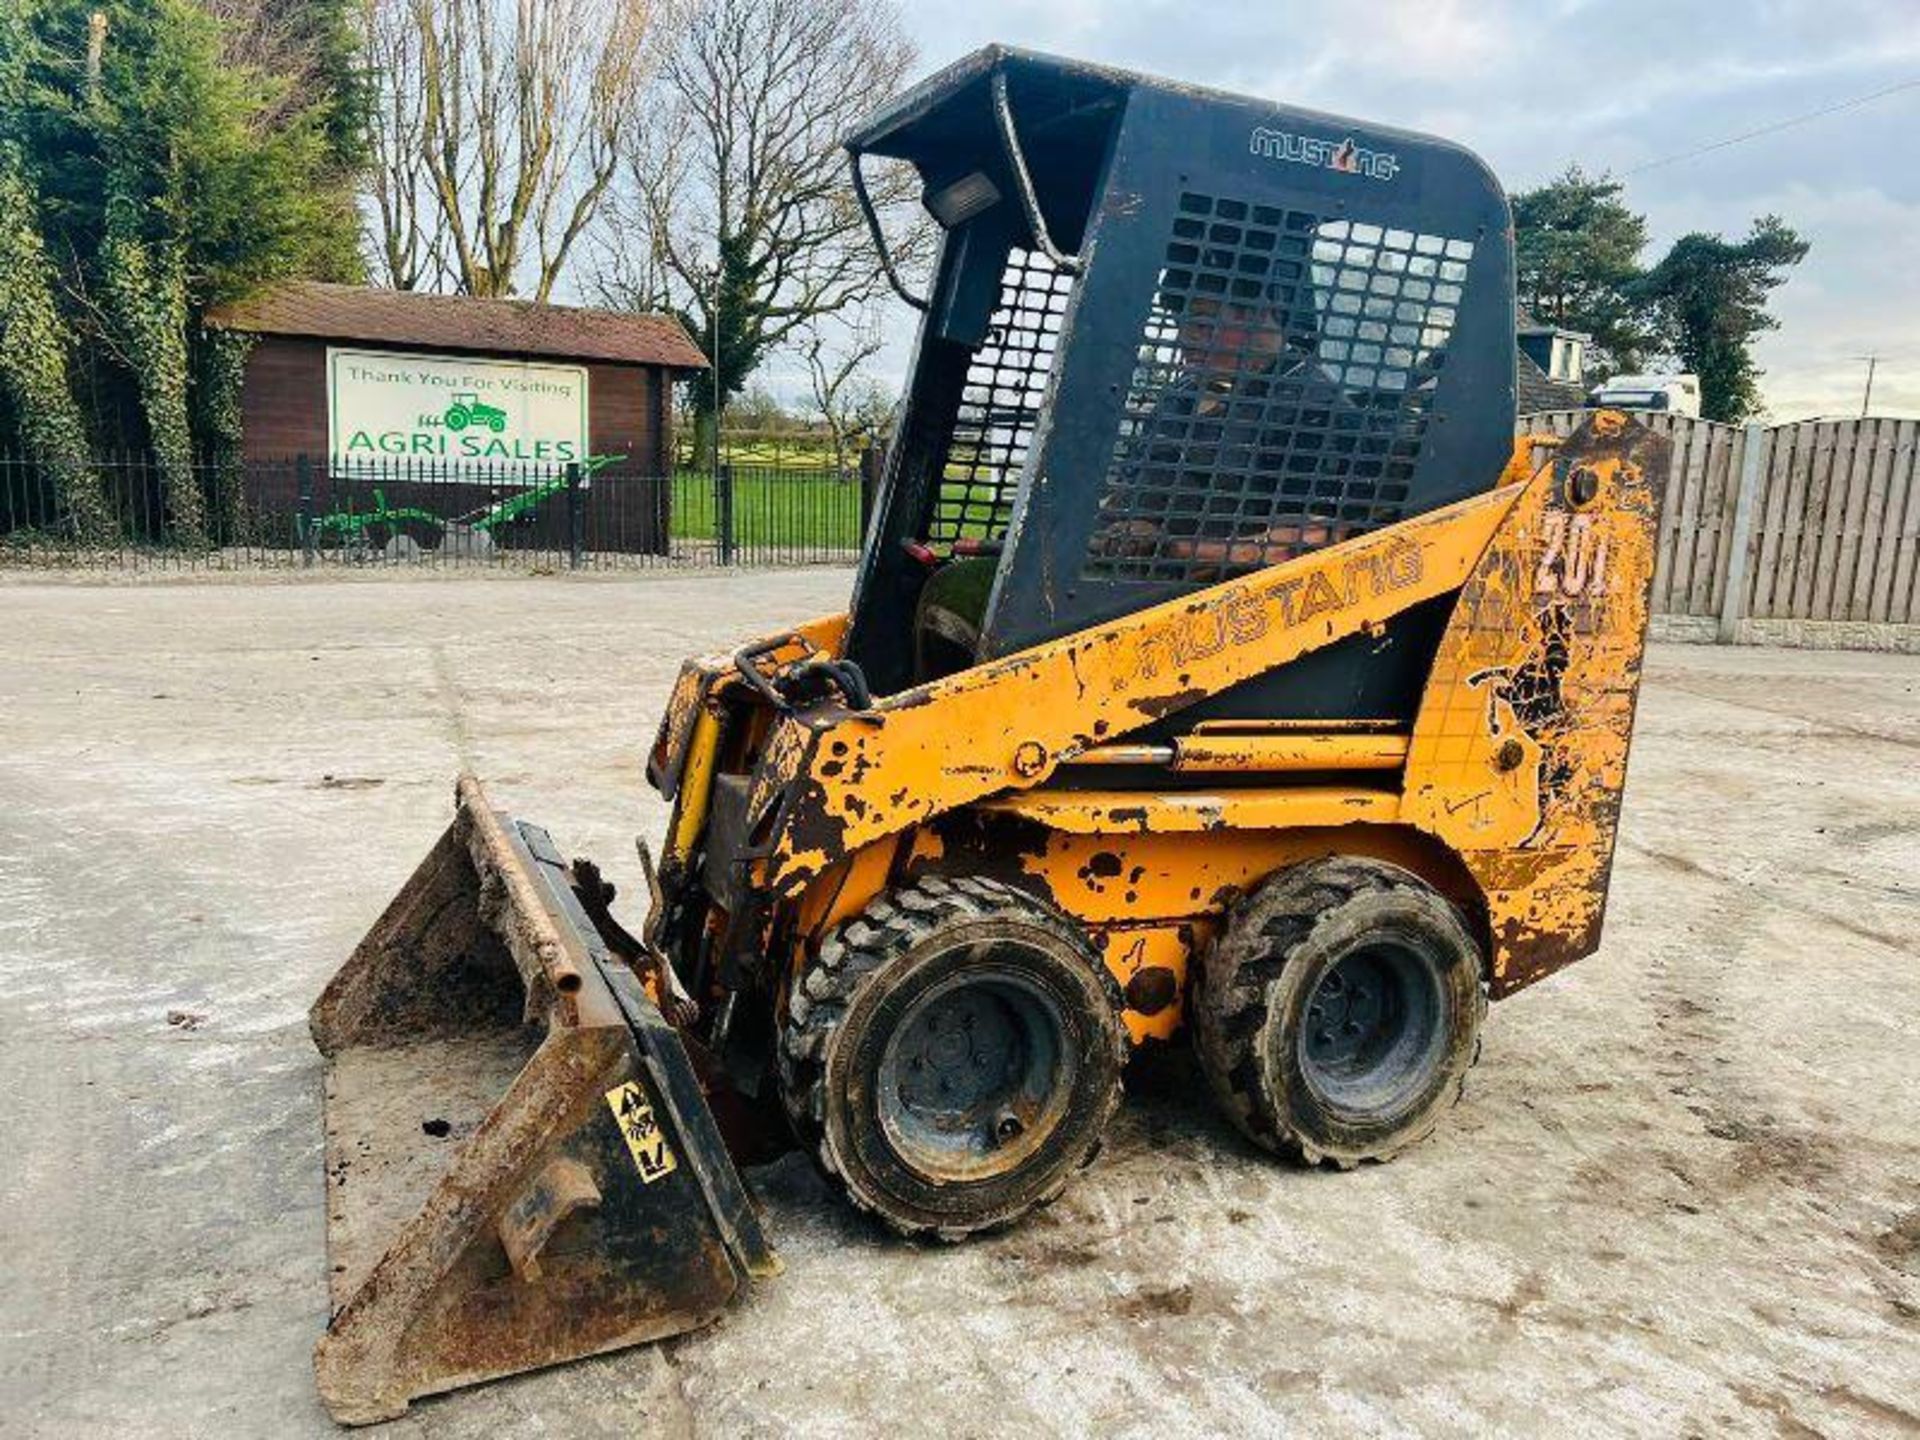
x=1166, y=889
x=1006, y=725
x=489, y=1209
x=1519, y=753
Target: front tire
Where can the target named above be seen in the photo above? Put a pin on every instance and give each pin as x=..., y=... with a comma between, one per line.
x=952, y=1055
x=1339, y=1013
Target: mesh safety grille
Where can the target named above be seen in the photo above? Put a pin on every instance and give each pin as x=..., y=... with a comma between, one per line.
x=1000, y=402
x=1281, y=392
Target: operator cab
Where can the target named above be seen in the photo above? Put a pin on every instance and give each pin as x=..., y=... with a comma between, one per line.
x=1173, y=335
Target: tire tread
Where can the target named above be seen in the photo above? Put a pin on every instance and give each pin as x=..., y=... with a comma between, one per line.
x=847, y=958
x=1234, y=982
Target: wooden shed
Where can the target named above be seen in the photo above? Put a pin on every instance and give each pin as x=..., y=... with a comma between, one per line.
x=453, y=398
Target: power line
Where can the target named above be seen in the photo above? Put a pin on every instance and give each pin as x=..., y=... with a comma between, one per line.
x=1854, y=104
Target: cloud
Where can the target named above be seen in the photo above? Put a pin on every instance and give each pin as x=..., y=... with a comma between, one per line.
x=1612, y=84
x=1833, y=315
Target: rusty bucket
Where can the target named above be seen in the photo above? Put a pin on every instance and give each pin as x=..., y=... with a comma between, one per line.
x=520, y=1166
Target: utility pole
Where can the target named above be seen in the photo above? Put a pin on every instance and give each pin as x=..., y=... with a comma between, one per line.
x=1867, y=399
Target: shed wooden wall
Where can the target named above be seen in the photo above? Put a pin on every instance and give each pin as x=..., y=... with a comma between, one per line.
x=284, y=403
x=629, y=414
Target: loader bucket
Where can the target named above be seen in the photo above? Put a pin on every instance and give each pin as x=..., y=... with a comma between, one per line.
x=521, y=1167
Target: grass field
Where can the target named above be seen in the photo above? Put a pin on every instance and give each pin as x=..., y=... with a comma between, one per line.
x=779, y=452
x=766, y=452
x=785, y=509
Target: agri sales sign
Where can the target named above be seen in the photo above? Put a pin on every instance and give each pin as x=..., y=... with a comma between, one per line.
x=450, y=413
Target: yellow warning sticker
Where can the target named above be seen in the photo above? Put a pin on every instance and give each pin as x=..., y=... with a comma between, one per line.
x=632, y=1111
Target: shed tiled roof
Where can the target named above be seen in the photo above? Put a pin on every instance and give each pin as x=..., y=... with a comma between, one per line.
x=461, y=322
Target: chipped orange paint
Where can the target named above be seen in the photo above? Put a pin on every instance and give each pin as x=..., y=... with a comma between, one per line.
x=1182, y=884
x=1512, y=775
x=1519, y=751
x=1008, y=724
x=1158, y=954
x=846, y=889
x=702, y=677
x=1118, y=812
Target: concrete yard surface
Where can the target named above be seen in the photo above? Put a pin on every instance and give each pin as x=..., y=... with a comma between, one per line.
x=1682, y=1196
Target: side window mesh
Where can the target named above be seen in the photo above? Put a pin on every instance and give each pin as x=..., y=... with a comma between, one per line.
x=1281, y=392
x=1000, y=402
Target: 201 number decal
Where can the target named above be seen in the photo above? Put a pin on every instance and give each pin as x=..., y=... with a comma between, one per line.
x=1574, y=563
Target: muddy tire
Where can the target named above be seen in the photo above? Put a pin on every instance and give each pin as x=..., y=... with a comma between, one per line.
x=952, y=1055
x=1339, y=1013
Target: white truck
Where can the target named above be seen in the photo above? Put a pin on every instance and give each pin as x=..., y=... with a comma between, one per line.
x=1674, y=394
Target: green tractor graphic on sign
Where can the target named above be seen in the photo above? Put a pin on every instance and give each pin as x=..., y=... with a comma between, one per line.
x=472, y=410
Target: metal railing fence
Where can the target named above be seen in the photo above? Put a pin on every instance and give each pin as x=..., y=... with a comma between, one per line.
x=126, y=512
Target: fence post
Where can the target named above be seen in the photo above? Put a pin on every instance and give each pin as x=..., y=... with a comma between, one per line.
x=303, y=516
x=723, y=509
x=1733, y=603
x=576, y=515
x=869, y=485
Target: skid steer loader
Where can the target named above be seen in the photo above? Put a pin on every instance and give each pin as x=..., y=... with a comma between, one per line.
x=1218, y=665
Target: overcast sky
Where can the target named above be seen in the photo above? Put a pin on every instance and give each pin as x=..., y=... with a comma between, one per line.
x=1612, y=84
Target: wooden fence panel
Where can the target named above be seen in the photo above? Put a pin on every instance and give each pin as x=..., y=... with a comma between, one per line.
x=1773, y=513
x=1676, y=558
x=1872, y=518
x=1832, y=558
x=1903, y=595
x=1732, y=442
x=1832, y=526
x=1693, y=517
x=1833, y=594
x=1714, y=527
x=1880, y=524
x=1812, y=522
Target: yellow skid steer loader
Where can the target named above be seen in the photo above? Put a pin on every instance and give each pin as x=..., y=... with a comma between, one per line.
x=1218, y=666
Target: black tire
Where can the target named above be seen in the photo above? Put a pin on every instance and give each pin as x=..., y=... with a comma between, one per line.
x=1338, y=1014
x=952, y=1055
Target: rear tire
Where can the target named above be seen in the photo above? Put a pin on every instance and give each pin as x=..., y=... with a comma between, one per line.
x=952, y=1055
x=1339, y=1013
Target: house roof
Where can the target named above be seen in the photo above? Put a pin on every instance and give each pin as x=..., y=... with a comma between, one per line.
x=461, y=322
x=1525, y=324
x=1535, y=390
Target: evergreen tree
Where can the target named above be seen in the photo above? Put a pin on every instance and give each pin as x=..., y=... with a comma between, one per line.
x=170, y=170
x=35, y=343
x=1577, y=264
x=1577, y=248
x=1710, y=296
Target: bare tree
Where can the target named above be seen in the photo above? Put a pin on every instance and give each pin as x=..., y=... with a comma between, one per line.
x=737, y=182
x=409, y=248
x=496, y=129
x=851, y=403
x=295, y=42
